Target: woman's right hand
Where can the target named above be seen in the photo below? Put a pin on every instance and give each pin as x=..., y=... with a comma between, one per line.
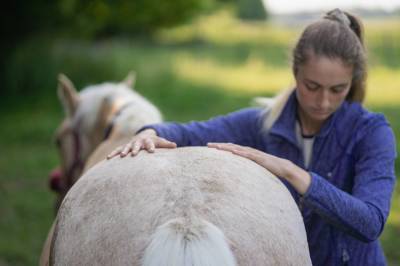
x=145, y=140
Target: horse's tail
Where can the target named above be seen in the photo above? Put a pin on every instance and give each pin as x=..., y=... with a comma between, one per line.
x=188, y=242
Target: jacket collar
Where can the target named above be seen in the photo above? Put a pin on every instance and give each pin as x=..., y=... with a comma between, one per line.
x=285, y=125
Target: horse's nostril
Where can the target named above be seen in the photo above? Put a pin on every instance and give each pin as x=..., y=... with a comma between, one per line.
x=55, y=181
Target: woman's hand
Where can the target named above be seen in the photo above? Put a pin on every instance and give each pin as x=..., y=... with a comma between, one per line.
x=145, y=140
x=297, y=177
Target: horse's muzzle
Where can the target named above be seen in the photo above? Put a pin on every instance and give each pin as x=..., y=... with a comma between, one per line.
x=55, y=180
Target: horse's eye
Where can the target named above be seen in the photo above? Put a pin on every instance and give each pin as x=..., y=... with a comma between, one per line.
x=57, y=142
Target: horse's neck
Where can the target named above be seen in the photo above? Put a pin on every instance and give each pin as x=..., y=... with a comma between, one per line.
x=135, y=115
x=129, y=113
x=120, y=112
x=96, y=116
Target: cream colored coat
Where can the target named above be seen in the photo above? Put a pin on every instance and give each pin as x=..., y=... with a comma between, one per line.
x=88, y=113
x=186, y=206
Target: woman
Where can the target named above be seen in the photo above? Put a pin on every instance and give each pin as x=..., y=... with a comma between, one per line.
x=335, y=157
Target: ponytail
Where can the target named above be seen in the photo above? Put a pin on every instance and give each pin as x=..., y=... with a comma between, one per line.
x=337, y=35
x=349, y=20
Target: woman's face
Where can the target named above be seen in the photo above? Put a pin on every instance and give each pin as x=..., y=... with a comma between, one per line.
x=322, y=86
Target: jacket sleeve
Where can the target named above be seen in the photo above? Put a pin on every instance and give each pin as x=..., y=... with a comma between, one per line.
x=362, y=213
x=240, y=127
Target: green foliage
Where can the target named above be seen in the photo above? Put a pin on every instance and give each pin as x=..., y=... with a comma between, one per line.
x=251, y=10
x=383, y=43
x=21, y=18
x=106, y=17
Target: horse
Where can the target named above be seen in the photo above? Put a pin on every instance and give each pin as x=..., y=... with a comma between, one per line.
x=97, y=119
x=185, y=206
x=102, y=115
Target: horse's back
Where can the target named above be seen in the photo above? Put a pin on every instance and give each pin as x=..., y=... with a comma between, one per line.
x=111, y=213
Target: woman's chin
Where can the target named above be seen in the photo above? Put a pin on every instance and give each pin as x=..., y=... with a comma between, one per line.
x=320, y=117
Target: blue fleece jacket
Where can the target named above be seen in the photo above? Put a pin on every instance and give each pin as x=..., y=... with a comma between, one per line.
x=352, y=169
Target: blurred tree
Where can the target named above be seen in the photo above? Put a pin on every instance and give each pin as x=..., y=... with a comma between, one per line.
x=43, y=19
x=19, y=20
x=110, y=17
x=251, y=10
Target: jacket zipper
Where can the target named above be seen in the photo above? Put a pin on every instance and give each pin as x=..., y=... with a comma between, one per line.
x=345, y=257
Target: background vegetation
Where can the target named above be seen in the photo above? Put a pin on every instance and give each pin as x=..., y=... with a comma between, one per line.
x=212, y=64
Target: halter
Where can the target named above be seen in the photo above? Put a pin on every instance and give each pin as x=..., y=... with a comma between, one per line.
x=110, y=126
x=77, y=163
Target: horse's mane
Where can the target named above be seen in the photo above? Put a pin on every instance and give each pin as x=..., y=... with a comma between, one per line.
x=91, y=99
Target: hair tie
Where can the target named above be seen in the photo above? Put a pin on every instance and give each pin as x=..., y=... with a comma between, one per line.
x=339, y=16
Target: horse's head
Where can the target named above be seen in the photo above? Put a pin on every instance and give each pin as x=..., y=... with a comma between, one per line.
x=87, y=115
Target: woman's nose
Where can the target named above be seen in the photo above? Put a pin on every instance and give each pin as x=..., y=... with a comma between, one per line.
x=324, y=101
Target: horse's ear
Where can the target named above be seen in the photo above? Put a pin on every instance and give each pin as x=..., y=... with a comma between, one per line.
x=130, y=79
x=67, y=94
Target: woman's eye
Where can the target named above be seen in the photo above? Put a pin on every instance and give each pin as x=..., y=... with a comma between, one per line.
x=338, y=89
x=311, y=87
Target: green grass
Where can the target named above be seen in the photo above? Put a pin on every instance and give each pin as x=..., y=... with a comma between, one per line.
x=213, y=66
x=26, y=203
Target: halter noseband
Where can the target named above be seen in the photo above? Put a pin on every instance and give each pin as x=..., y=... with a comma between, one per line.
x=77, y=163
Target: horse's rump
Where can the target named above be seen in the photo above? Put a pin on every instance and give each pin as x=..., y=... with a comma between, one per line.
x=122, y=207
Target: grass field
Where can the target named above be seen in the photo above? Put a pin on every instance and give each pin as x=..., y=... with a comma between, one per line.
x=213, y=66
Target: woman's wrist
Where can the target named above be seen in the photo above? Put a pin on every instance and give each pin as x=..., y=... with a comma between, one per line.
x=298, y=178
x=148, y=131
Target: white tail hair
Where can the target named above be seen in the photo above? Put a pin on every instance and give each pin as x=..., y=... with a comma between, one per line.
x=188, y=242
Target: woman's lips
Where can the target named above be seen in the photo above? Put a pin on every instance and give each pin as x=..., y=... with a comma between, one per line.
x=320, y=112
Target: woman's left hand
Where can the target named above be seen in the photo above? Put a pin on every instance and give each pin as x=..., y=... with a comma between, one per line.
x=297, y=177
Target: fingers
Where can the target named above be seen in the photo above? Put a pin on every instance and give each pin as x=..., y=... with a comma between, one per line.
x=126, y=149
x=215, y=145
x=136, y=147
x=246, y=154
x=115, y=152
x=149, y=145
x=224, y=146
x=163, y=143
x=270, y=162
x=243, y=151
x=142, y=143
x=122, y=151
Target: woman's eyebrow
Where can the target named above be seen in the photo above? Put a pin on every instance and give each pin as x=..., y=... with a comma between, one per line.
x=334, y=86
x=340, y=85
x=312, y=81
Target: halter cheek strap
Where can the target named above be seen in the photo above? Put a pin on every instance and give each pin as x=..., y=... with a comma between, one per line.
x=77, y=163
x=61, y=181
